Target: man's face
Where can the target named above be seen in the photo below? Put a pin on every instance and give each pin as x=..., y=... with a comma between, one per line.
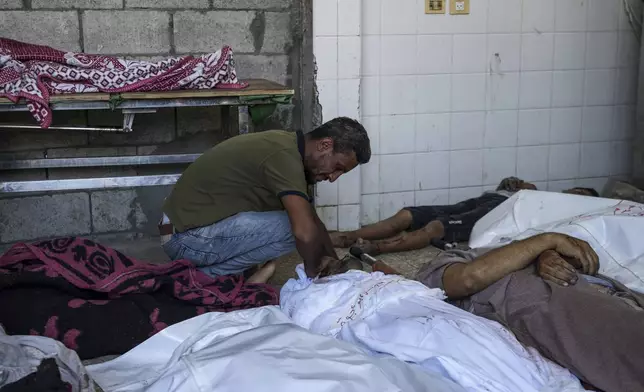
x=323, y=164
x=577, y=191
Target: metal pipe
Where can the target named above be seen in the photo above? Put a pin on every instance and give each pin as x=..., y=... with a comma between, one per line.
x=56, y=128
x=53, y=163
x=87, y=183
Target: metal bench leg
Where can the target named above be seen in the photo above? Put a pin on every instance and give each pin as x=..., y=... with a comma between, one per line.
x=245, y=126
x=236, y=120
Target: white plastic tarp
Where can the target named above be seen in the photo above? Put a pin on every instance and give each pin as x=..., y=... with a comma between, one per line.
x=614, y=228
x=257, y=350
x=400, y=317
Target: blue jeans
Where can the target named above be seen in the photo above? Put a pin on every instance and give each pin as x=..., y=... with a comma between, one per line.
x=234, y=244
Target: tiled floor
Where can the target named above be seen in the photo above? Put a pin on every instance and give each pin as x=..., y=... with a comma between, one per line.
x=149, y=249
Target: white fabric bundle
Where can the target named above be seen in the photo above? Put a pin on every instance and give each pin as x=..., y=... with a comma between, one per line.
x=403, y=318
x=614, y=228
x=257, y=350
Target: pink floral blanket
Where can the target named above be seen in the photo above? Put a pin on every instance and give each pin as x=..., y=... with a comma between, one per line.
x=36, y=72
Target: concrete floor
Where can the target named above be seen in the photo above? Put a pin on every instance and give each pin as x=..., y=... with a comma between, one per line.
x=149, y=249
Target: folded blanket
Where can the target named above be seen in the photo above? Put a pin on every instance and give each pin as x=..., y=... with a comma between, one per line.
x=35, y=72
x=99, y=302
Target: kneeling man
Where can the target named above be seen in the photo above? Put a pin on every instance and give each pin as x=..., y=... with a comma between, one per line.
x=246, y=202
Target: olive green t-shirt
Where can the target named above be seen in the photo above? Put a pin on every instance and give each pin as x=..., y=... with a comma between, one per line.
x=242, y=174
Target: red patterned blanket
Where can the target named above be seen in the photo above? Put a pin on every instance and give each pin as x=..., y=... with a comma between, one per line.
x=35, y=72
x=99, y=302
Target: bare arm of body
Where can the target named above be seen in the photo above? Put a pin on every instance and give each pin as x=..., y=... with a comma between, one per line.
x=464, y=279
x=309, y=233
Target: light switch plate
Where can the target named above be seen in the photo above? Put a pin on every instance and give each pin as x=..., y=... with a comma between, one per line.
x=435, y=6
x=460, y=7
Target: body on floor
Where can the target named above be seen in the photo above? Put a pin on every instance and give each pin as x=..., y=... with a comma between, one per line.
x=417, y=227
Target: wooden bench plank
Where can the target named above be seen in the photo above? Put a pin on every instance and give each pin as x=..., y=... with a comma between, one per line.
x=255, y=87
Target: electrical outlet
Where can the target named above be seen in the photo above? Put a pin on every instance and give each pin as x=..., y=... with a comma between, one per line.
x=435, y=6
x=460, y=7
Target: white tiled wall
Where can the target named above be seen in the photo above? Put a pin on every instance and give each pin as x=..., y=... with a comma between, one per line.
x=337, y=47
x=541, y=89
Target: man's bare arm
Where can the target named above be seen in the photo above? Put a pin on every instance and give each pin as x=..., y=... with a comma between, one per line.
x=306, y=231
x=326, y=239
x=462, y=280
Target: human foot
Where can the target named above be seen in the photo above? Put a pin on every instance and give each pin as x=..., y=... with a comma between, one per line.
x=264, y=273
x=341, y=239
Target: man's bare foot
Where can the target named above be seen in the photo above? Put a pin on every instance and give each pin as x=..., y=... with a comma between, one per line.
x=264, y=273
x=340, y=239
x=368, y=247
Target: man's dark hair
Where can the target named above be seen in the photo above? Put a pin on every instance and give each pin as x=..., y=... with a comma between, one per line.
x=348, y=135
x=592, y=191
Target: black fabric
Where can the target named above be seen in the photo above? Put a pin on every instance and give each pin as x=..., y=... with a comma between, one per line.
x=45, y=379
x=300, y=143
x=100, y=302
x=459, y=219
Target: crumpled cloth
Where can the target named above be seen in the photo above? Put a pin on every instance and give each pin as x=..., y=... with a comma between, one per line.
x=21, y=355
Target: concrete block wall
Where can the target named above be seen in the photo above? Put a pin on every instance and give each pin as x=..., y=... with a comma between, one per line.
x=267, y=37
x=638, y=141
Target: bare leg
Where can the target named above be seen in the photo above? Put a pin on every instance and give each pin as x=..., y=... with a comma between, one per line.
x=377, y=231
x=404, y=242
x=263, y=274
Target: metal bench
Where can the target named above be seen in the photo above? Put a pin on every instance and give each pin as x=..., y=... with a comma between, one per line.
x=240, y=110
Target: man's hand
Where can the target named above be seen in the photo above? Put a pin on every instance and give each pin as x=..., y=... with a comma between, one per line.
x=551, y=266
x=576, y=252
x=330, y=266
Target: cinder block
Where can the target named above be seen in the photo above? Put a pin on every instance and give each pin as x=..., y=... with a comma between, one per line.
x=209, y=31
x=166, y=4
x=52, y=28
x=29, y=218
x=150, y=206
x=89, y=172
x=23, y=175
x=8, y=4
x=77, y=4
x=252, y=4
x=277, y=36
x=274, y=68
x=149, y=128
x=132, y=32
x=22, y=140
x=282, y=118
x=114, y=210
x=191, y=121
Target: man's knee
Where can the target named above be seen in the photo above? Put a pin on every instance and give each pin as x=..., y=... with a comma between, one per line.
x=435, y=228
x=401, y=220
